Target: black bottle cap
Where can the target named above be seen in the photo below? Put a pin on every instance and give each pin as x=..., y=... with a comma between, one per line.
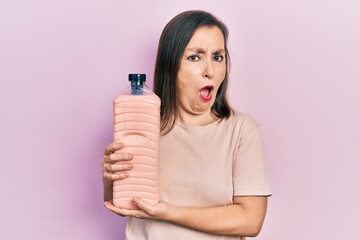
x=137, y=83
x=137, y=77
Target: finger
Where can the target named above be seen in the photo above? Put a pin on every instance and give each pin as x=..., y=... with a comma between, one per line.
x=112, y=147
x=113, y=177
x=120, y=157
x=147, y=208
x=117, y=167
x=125, y=212
x=109, y=206
x=115, y=157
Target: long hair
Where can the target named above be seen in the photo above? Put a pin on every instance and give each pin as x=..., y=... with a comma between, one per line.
x=174, y=38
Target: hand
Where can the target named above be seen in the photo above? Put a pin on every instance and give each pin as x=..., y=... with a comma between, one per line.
x=114, y=165
x=159, y=211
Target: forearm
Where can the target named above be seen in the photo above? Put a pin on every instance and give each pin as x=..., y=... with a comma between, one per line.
x=225, y=220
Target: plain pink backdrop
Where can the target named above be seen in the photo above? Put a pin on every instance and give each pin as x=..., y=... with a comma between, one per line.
x=295, y=68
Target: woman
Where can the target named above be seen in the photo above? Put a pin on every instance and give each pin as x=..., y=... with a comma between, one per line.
x=213, y=182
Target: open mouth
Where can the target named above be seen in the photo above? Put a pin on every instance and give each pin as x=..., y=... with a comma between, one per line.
x=205, y=93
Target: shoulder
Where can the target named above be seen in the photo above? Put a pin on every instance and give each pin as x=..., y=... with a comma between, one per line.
x=243, y=121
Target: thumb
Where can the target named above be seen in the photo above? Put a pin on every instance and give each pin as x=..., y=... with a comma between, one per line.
x=146, y=207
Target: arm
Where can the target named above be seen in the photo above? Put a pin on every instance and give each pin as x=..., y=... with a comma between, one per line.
x=243, y=218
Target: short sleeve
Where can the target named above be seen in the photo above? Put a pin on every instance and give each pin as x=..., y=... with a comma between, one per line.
x=249, y=168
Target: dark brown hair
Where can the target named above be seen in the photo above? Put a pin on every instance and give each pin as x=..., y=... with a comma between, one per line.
x=174, y=38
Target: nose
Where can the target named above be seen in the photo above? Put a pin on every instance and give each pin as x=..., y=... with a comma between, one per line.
x=208, y=69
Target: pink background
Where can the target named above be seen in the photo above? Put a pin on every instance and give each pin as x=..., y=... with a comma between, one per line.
x=295, y=68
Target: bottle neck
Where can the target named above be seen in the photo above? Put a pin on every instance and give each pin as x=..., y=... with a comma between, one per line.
x=137, y=87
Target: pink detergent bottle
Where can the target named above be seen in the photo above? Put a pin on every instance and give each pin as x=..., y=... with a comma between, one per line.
x=137, y=126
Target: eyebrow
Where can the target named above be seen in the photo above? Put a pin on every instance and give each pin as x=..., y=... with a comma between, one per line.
x=202, y=50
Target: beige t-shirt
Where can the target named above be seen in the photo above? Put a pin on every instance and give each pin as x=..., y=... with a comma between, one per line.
x=205, y=166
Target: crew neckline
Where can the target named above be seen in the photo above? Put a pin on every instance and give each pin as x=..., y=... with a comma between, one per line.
x=216, y=122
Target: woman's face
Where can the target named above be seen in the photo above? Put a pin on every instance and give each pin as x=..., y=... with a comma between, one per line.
x=202, y=70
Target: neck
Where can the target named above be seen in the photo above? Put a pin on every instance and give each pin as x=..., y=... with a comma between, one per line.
x=192, y=119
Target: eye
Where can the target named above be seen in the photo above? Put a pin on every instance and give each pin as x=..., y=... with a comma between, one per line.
x=193, y=58
x=218, y=58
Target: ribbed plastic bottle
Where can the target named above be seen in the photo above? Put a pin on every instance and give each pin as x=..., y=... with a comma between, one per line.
x=137, y=126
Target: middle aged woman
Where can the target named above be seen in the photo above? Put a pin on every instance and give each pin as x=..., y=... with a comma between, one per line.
x=213, y=181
